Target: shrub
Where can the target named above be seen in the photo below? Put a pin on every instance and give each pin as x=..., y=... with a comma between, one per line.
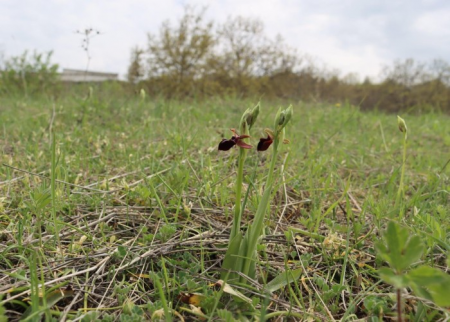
x=29, y=74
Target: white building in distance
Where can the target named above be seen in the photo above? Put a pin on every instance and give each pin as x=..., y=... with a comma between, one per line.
x=76, y=75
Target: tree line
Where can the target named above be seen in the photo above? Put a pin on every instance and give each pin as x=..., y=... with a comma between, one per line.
x=195, y=58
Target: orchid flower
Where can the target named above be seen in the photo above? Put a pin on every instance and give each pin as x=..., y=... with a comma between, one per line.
x=264, y=143
x=236, y=139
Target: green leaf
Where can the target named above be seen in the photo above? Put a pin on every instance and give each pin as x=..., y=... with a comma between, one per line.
x=225, y=315
x=376, y=305
x=426, y=276
x=231, y=262
x=421, y=291
x=399, y=250
x=3, y=317
x=122, y=251
x=389, y=276
x=19, y=275
x=439, y=293
x=412, y=252
x=430, y=283
x=54, y=296
x=234, y=293
x=283, y=279
x=51, y=299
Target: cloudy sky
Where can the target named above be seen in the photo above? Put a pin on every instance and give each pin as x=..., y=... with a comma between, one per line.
x=354, y=36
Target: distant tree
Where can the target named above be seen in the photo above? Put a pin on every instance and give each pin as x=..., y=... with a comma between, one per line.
x=367, y=81
x=248, y=58
x=2, y=59
x=407, y=72
x=351, y=79
x=179, y=53
x=29, y=74
x=136, y=70
x=440, y=70
x=190, y=58
x=240, y=39
x=277, y=57
x=436, y=91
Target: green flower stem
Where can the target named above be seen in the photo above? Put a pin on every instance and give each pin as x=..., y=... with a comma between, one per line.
x=399, y=306
x=307, y=233
x=247, y=121
x=237, y=207
x=401, y=189
x=53, y=190
x=256, y=229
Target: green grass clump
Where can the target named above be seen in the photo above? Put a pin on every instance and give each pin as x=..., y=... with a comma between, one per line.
x=124, y=209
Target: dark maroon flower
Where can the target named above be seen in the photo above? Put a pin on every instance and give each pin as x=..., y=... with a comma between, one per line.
x=225, y=144
x=236, y=139
x=264, y=143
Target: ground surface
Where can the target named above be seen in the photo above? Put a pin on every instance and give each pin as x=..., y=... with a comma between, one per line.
x=140, y=188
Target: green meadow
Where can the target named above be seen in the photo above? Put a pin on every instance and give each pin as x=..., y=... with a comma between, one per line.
x=120, y=209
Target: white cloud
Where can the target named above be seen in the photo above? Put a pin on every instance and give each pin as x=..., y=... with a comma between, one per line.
x=434, y=23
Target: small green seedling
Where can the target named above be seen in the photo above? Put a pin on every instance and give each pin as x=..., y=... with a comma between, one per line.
x=401, y=251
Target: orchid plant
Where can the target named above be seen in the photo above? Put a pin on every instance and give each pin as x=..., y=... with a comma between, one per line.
x=241, y=254
x=247, y=120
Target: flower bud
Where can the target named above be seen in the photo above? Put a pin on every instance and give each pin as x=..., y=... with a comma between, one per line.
x=278, y=119
x=248, y=119
x=142, y=94
x=401, y=124
x=91, y=92
x=288, y=114
x=283, y=117
x=253, y=116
